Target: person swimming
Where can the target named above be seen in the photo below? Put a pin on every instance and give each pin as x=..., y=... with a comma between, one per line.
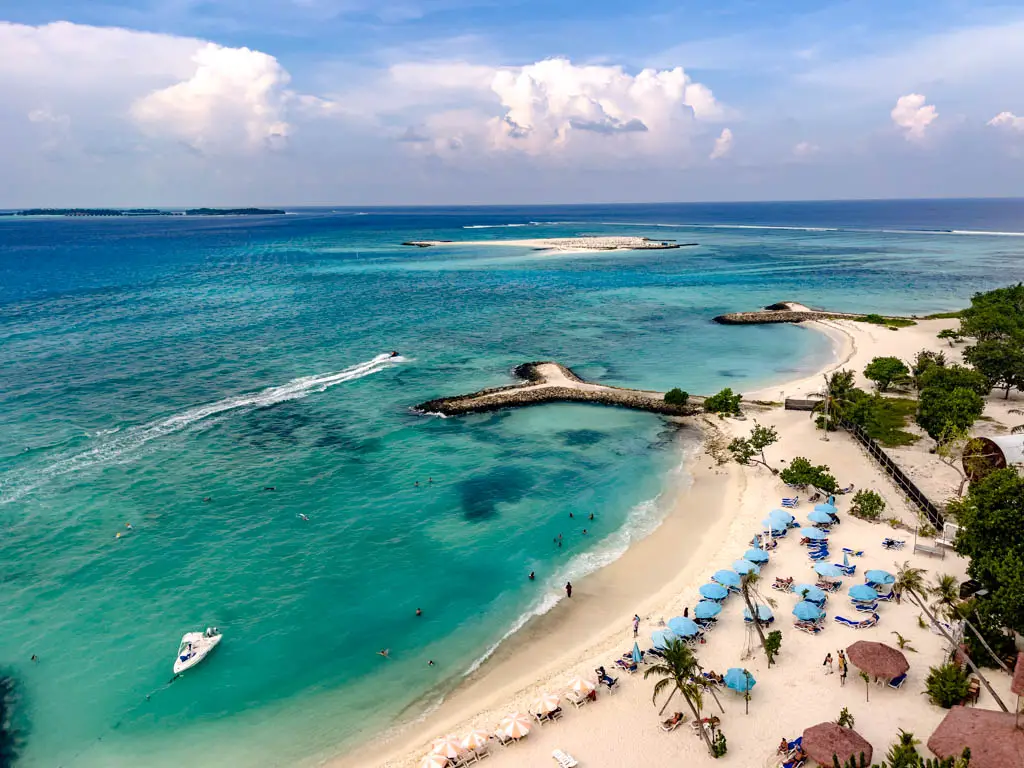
x=303, y=517
x=384, y=652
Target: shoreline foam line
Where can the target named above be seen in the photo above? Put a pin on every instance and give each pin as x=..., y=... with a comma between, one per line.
x=126, y=441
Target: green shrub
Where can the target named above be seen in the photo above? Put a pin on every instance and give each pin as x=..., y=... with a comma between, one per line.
x=845, y=719
x=718, y=746
x=940, y=412
x=867, y=505
x=886, y=371
x=950, y=377
x=677, y=396
x=801, y=472
x=724, y=402
x=947, y=685
x=772, y=644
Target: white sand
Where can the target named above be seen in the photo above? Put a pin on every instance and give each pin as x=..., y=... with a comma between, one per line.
x=583, y=244
x=710, y=527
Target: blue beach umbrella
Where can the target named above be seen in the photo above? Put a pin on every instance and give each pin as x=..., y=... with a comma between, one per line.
x=826, y=508
x=810, y=593
x=775, y=526
x=827, y=569
x=756, y=555
x=683, y=627
x=878, y=577
x=819, y=517
x=862, y=592
x=713, y=591
x=739, y=679
x=726, y=578
x=807, y=611
x=707, y=609
x=745, y=566
x=764, y=613
x=637, y=656
x=813, y=534
x=782, y=515
x=662, y=638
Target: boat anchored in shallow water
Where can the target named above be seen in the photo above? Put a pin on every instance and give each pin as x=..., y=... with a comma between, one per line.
x=195, y=646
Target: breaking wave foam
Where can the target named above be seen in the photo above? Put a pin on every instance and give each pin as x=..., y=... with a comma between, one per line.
x=116, y=445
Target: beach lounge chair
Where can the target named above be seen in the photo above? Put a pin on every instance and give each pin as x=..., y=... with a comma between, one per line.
x=630, y=666
x=673, y=722
x=897, y=682
x=794, y=764
x=482, y=752
x=888, y=597
x=866, y=607
x=818, y=555
x=811, y=629
x=888, y=543
x=828, y=586
x=854, y=552
x=791, y=503
x=576, y=699
x=564, y=759
x=848, y=570
x=783, y=585
x=502, y=738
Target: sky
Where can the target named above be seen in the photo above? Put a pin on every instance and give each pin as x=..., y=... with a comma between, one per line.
x=353, y=102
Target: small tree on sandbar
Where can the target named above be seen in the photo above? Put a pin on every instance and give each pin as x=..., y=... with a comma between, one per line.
x=750, y=450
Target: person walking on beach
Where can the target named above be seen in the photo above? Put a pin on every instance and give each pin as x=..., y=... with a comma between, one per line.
x=827, y=664
x=843, y=666
x=636, y=624
x=568, y=589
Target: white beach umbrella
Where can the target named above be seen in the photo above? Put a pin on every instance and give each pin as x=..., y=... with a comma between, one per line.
x=547, y=702
x=475, y=739
x=433, y=761
x=515, y=725
x=580, y=686
x=447, y=746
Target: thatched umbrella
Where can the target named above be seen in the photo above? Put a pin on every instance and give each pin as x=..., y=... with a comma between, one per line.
x=878, y=659
x=992, y=737
x=824, y=740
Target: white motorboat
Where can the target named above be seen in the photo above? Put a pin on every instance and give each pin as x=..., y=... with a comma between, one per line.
x=195, y=646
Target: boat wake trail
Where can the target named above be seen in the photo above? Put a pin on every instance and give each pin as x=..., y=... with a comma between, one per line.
x=118, y=446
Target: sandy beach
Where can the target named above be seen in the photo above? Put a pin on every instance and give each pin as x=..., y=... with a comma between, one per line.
x=716, y=510
x=583, y=244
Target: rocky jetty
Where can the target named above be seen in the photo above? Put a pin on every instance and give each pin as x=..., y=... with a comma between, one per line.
x=791, y=312
x=548, y=382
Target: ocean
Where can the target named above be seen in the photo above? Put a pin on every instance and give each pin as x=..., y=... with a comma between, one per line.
x=149, y=364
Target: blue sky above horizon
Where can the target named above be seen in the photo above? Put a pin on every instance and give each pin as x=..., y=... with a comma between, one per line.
x=477, y=101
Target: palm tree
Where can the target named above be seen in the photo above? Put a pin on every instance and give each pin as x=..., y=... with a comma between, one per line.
x=1020, y=427
x=677, y=670
x=749, y=591
x=946, y=592
x=910, y=581
x=836, y=397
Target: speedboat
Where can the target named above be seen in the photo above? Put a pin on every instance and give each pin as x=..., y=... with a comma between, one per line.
x=195, y=646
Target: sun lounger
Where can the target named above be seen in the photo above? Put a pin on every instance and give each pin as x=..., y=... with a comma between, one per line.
x=866, y=607
x=668, y=726
x=503, y=738
x=818, y=556
x=791, y=503
x=564, y=759
x=889, y=596
x=854, y=552
x=897, y=682
x=811, y=629
x=793, y=764
x=630, y=666
x=577, y=699
x=781, y=586
x=848, y=570
x=893, y=543
x=482, y=752
x=828, y=586
x=871, y=621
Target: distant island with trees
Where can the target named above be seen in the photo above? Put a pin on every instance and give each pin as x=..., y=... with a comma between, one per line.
x=144, y=212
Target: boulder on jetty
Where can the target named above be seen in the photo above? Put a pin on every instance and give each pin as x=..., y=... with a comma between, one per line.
x=789, y=312
x=548, y=382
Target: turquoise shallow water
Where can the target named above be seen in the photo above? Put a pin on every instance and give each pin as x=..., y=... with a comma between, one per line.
x=147, y=364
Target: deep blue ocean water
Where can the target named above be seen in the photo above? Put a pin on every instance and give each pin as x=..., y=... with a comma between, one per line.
x=146, y=364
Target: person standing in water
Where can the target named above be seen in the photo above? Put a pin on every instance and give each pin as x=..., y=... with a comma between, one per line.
x=531, y=575
x=568, y=589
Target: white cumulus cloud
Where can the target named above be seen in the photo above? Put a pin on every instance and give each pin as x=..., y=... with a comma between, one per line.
x=723, y=145
x=806, y=149
x=119, y=86
x=1007, y=120
x=913, y=116
x=234, y=97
